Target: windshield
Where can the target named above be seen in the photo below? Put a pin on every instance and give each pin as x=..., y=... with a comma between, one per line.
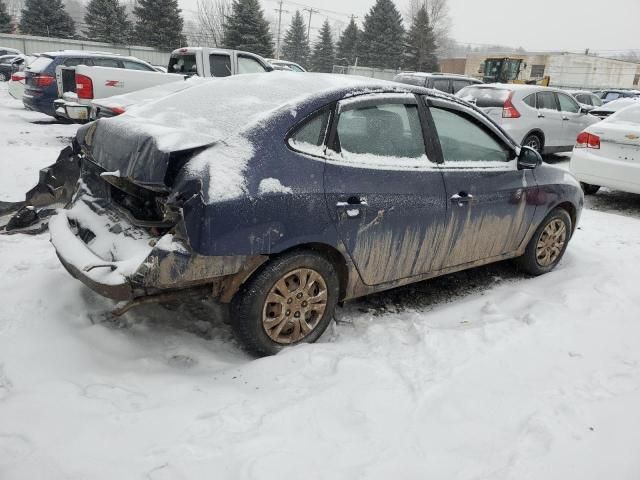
x=484, y=97
x=40, y=64
x=185, y=64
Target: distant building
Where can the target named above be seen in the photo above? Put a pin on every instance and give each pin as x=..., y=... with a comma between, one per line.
x=569, y=70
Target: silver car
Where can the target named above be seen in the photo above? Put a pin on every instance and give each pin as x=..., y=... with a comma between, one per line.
x=587, y=100
x=546, y=119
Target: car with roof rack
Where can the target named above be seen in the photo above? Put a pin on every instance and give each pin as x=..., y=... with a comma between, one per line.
x=445, y=82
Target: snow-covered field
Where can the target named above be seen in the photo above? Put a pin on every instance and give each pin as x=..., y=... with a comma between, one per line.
x=480, y=375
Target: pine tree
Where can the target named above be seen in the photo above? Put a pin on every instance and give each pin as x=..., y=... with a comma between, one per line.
x=159, y=24
x=46, y=18
x=348, y=43
x=246, y=29
x=6, y=24
x=382, y=41
x=323, y=56
x=420, y=49
x=107, y=21
x=295, y=47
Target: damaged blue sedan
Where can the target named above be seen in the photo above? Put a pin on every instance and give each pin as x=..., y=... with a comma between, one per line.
x=280, y=196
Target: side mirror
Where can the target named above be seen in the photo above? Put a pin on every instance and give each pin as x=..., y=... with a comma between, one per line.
x=529, y=159
x=584, y=109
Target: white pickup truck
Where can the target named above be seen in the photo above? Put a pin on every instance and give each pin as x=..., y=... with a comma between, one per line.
x=79, y=86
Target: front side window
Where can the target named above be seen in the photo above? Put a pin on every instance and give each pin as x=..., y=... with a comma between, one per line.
x=464, y=140
x=546, y=101
x=309, y=137
x=584, y=98
x=220, y=65
x=568, y=104
x=249, y=65
x=390, y=131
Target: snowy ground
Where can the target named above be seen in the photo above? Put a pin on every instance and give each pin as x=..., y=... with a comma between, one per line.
x=479, y=375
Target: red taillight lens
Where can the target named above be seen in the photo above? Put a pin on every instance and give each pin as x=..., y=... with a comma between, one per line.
x=17, y=77
x=84, y=87
x=587, y=140
x=43, y=80
x=117, y=110
x=508, y=110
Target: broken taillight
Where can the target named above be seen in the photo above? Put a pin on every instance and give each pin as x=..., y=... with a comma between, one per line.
x=587, y=140
x=84, y=87
x=508, y=110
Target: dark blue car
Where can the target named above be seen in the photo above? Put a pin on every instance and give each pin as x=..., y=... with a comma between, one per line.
x=41, y=88
x=282, y=195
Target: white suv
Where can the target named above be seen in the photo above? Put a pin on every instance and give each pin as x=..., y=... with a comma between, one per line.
x=546, y=119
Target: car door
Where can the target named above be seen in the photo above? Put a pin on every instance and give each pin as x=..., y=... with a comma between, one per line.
x=573, y=119
x=490, y=202
x=549, y=118
x=384, y=195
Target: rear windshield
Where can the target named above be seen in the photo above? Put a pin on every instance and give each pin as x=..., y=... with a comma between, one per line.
x=185, y=64
x=40, y=64
x=484, y=97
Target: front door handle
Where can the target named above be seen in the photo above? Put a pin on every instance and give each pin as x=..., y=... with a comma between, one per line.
x=566, y=118
x=540, y=115
x=462, y=198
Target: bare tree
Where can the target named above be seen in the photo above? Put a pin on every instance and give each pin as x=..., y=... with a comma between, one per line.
x=210, y=21
x=439, y=18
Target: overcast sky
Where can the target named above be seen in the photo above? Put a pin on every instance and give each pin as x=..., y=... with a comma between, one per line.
x=603, y=26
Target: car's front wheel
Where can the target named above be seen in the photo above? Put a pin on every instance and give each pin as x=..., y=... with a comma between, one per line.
x=589, y=189
x=548, y=244
x=291, y=300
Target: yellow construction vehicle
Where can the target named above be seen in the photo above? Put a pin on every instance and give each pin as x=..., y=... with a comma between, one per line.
x=508, y=70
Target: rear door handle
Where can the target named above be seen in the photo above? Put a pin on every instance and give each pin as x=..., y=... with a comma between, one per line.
x=462, y=198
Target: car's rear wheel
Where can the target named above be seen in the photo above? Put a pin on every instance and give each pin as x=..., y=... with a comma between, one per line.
x=534, y=141
x=548, y=244
x=3, y=77
x=589, y=189
x=289, y=301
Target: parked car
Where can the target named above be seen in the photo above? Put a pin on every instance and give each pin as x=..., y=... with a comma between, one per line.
x=608, y=153
x=286, y=65
x=587, y=100
x=97, y=82
x=614, y=94
x=9, y=51
x=545, y=119
x=311, y=190
x=614, y=106
x=6, y=62
x=41, y=88
x=445, y=82
x=17, y=81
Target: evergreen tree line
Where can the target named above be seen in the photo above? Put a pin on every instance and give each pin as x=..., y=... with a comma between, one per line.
x=383, y=41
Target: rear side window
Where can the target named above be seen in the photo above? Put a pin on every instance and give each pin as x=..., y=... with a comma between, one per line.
x=463, y=140
x=584, y=98
x=411, y=80
x=40, y=64
x=485, y=97
x=220, y=65
x=441, y=84
x=612, y=96
x=459, y=85
x=249, y=65
x=546, y=101
x=596, y=100
x=386, y=130
x=530, y=100
x=74, y=62
x=129, y=65
x=107, y=62
x=184, y=64
x=309, y=137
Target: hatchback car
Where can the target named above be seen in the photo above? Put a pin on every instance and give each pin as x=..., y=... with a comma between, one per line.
x=545, y=119
x=41, y=89
x=445, y=82
x=6, y=67
x=608, y=153
x=282, y=195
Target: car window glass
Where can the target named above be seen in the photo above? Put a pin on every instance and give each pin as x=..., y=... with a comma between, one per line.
x=129, y=65
x=106, y=62
x=568, y=104
x=459, y=85
x=74, y=62
x=309, y=138
x=441, y=84
x=530, y=100
x=40, y=64
x=411, y=80
x=546, y=101
x=584, y=98
x=463, y=140
x=386, y=130
x=612, y=96
x=249, y=65
x=185, y=64
x=220, y=65
x=596, y=100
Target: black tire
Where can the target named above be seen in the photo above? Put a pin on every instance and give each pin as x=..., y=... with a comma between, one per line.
x=248, y=305
x=534, y=141
x=3, y=77
x=589, y=189
x=529, y=262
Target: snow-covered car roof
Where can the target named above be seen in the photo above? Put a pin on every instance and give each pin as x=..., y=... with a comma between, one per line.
x=616, y=105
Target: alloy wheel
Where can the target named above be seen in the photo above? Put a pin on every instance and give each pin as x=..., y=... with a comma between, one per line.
x=294, y=306
x=551, y=243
